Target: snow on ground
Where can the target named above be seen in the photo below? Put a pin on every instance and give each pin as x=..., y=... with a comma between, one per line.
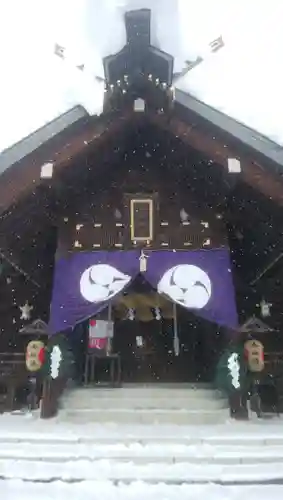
x=50, y=460
x=128, y=471
x=244, y=79
x=17, y=490
x=18, y=426
x=25, y=426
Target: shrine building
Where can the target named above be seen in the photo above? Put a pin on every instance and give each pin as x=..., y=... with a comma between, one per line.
x=151, y=232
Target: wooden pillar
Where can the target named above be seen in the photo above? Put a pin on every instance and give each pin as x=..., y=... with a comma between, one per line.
x=45, y=410
x=238, y=405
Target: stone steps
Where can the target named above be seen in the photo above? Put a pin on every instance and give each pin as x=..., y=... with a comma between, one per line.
x=143, y=403
x=157, y=404
x=142, y=454
x=49, y=451
x=150, y=391
x=129, y=471
x=145, y=416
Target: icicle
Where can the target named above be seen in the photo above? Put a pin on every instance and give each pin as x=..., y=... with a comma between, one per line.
x=176, y=343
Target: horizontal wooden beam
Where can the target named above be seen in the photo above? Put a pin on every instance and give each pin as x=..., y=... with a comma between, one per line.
x=268, y=183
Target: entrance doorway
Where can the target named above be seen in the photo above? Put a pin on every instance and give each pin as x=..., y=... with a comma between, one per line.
x=144, y=350
x=145, y=343
x=148, y=355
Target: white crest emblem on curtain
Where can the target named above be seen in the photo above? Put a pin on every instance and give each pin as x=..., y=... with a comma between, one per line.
x=186, y=285
x=101, y=282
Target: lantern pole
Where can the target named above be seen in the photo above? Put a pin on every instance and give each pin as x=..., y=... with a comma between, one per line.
x=109, y=319
x=176, y=342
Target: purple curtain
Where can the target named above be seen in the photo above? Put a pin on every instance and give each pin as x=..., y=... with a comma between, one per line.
x=200, y=280
x=85, y=283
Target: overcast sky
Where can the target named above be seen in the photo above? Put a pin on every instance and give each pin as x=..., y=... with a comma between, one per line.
x=36, y=85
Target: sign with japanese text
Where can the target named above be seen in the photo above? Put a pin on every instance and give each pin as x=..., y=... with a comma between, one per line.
x=99, y=332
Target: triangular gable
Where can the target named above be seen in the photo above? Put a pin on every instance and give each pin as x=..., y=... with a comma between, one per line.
x=255, y=325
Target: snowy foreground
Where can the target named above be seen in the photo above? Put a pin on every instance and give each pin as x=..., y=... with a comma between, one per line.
x=55, y=460
x=231, y=80
x=136, y=491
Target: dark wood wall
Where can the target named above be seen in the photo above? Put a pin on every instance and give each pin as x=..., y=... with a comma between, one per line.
x=98, y=216
x=90, y=194
x=15, y=292
x=104, y=222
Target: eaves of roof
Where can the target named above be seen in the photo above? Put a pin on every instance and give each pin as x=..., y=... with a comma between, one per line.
x=58, y=146
x=207, y=140
x=244, y=134
x=68, y=135
x=249, y=137
x=32, y=142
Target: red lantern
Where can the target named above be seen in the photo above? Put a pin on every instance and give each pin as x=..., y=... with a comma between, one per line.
x=41, y=355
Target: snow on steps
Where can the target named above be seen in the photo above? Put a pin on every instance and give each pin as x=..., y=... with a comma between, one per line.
x=138, y=490
x=141, y=454
x=180, y=404
x=153, y=461
x=34, y=450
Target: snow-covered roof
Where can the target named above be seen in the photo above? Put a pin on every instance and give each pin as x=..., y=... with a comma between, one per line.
x=255, y=325
x=33, y=141
x=246, y=135
x=243, y=80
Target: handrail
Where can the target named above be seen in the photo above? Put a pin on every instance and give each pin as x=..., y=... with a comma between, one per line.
x=12, y=354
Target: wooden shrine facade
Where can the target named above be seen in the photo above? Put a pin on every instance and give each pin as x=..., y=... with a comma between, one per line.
x=155, y=179
x=163, y=217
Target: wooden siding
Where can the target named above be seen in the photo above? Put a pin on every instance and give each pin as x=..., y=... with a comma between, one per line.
x=106, y=223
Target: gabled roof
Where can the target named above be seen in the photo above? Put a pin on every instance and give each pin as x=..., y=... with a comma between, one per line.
x=58, y=142
x=196, y=123
x=246, y=135
x=255, y=325
x=203, y=134
x=33, y=141
x=141, y=69
x=231, y=80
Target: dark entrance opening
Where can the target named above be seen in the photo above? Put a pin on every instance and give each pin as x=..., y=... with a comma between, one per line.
x=146, y=344
x=148, y=355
